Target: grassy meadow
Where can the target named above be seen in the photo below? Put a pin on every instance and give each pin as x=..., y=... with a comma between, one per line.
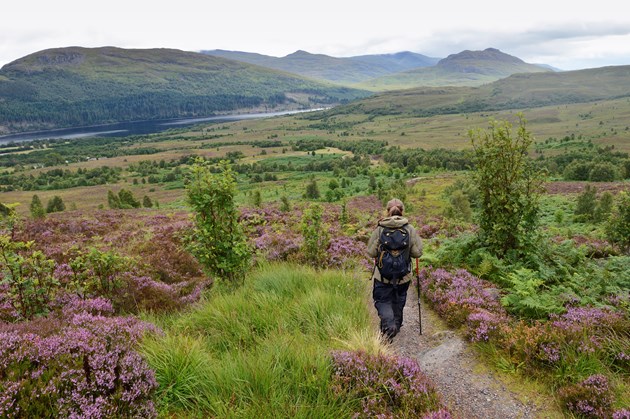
x=265, y=349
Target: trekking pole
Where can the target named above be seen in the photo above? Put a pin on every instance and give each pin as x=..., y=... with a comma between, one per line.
x=418, y=287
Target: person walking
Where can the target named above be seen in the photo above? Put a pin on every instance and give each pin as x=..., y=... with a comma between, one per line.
x=392, y=245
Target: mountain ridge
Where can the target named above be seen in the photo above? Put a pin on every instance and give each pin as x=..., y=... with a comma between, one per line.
x=466, y=68
x=341, y=70
x=73, y=86
x=518, y=91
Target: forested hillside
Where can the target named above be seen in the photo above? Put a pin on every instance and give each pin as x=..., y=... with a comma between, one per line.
x=81, y=86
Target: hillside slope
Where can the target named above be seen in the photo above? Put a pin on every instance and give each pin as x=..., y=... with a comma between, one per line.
x=347, y=70
x=467, y=68
x=518, y=91
x=84, y=86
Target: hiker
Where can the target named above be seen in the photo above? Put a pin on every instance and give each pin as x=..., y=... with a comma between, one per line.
x=392, y=245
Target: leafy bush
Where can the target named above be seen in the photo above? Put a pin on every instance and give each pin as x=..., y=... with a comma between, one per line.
x=618, y=226
x=217, y=239
x=586, y=203
x=315, y=236
x=55, y=204
x=510, y=186
x=27, y=281
x=603, y=172
x=37, y=208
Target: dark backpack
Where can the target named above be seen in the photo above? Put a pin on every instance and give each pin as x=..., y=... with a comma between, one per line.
x=393, y=260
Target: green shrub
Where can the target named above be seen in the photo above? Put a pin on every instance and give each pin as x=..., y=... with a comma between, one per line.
x=586, y=202
x=603, y=172
x=217, y=239
x=37, y=209
x=618, y=226
x=315, y=236
x=510, y=187
x=55, y=204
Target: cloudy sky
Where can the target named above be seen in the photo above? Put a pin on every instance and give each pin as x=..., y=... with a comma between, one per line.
x=560, y=33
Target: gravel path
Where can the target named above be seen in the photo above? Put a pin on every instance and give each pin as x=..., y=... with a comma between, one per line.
x=468, y=387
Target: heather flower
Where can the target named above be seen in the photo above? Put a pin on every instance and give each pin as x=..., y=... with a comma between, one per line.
x=578, y=319
x=621, y=414
x=456, y=295
x=550, y=352
x=387, y=386
x=343, y=249
x=482, y=325
x=589, y=398
x=278, y=245
x=88, y=368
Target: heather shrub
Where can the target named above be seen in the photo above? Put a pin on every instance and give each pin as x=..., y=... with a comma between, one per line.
x=591, y=398
x=386, y=386
x=85, y=367
x=345, y=252
x=278, y=245
x=457, y=295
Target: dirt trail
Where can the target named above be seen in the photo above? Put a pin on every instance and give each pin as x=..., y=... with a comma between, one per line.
x=468, y=387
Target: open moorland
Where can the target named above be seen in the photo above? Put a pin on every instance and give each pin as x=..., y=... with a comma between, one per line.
x=117, y=300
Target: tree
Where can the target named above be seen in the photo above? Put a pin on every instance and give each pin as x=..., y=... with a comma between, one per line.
x=459, y=207
x=603, y=172
x=285, y=206
x=217, y=239
x=618, y=225
x=312, y=190
x=257, y=199
x=127, y=200
x=509, y=185
x=585, y=205
x=315, y=236
x=55, y=204
x=146, y=202
x=604, y=207
x=113, y=200
x=37, y=208
x=372, y=184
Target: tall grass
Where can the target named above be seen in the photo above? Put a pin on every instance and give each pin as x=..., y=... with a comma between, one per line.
x=263, y=350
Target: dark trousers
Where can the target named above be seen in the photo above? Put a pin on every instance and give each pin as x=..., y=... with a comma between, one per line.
x=389, y=301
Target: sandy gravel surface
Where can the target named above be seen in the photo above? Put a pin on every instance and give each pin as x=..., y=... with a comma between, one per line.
x=469, y=388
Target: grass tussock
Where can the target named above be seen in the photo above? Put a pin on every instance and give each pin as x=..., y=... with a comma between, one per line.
x=263, y=350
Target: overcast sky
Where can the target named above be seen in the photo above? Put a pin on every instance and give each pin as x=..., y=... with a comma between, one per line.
x=564, y=34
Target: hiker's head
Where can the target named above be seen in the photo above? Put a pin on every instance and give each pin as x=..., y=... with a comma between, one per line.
x=395, y=207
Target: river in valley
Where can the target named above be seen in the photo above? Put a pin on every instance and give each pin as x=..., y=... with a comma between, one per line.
x=124, y=129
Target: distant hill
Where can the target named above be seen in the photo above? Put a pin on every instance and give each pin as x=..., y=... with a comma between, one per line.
x=348, y=70
x=519, y=91
x=467, y=68
x=77, y=86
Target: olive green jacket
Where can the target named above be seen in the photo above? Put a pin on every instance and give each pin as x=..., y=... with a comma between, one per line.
x=415, y=250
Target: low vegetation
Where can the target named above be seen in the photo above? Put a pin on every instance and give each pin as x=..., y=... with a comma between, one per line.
x=537, y=280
